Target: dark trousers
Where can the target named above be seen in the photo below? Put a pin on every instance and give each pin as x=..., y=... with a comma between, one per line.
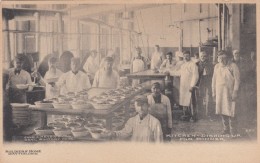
x=205, y=102
x=228, y=124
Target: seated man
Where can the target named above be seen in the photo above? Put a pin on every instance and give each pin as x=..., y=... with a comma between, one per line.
x=106, y=77
x=143, y=127
x=74, y=80
x=161, y=109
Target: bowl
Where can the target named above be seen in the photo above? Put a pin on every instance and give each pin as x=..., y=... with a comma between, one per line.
x=61, y=106
x=73, y=125
x=96, y=133
x=62, y=132
x=44, y=104
x=80, y=132
x=56, y=124
x=44, y=131
x=22, y=86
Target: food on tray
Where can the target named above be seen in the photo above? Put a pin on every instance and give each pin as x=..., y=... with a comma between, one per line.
x=73, y=125
x=56, y=124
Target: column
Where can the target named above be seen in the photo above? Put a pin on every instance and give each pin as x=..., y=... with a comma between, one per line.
x=60, y=44
x=6, y=43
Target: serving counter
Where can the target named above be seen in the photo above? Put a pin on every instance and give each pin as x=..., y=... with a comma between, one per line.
x=106, y=114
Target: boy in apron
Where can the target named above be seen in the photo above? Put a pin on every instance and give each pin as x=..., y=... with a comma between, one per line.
x=160, y=107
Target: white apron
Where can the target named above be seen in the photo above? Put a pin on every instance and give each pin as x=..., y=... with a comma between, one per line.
x=138, y=65
x=224, y=89
x=189, y=77
x=142, y=132
x=54, y=91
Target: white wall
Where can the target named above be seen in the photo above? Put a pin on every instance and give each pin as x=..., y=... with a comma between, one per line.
x=156, y=23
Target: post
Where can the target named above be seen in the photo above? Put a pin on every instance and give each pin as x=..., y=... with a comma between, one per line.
x=223, y=26
x=219, y=28
x=6, y=42
x=60, y=47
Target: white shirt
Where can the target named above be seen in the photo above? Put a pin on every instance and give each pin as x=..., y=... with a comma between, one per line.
x=70, y=82
x=101, y=80
x=146, y=130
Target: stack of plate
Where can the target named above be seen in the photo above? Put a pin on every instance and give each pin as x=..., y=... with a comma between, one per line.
x=21, y=114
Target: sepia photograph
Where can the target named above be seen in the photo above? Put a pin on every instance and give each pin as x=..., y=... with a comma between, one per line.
x=156, y=73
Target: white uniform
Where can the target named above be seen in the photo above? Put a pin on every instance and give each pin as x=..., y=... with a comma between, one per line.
x=156, y=60
x=138, y=65
x=101, y=80
x=52, y=92
x=146, y=130
x=91, y=66
x=70, y=82
x=225, y=80
x=189, y=76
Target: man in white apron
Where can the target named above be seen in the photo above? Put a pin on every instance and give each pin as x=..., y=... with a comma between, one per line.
x=225, y=85
x=18, y=76
x=160, y=108
x=157, y=58
x=188, y=79
x=74, y=80
x=138, y=64
x=141, y=128
x=106, y=77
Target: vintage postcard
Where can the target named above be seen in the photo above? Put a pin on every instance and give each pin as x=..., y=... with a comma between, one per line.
x=139, y=81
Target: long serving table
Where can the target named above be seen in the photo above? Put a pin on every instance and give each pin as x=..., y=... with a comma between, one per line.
x=106, y=114
x=147, y=74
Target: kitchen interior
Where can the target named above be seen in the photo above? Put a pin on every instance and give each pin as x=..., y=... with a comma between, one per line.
x=39, y=31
